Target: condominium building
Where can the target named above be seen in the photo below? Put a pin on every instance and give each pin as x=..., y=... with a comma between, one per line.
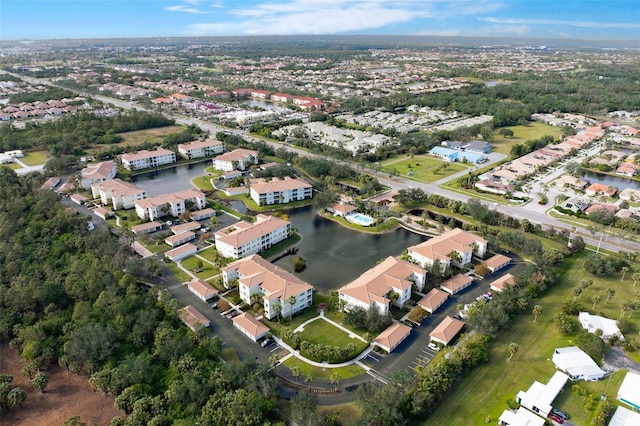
x=455, y=247
x=244, y=238
x=198, y=149
x=98, y=172
x=279, y=191
x=238, y=159
x=120, y=194
x=145, y=159
x=173, y=204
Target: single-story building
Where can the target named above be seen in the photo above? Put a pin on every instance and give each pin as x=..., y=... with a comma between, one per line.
x=102, y=213
x=250, y=327
x=497, y=262
x=500, y=283
x=624, y=417
x=628, y=392
x=577, y=364
x=538, y=397
x=521, y=417
x=79, y=198
x=181, y=252
x=179, y=239
x=341, y=209
x=447, y=330
x=185, y=227
x=203, y=214
x=456, y=284
x=591, y=323
x=395, y=334
x=433, y=300
x=202, y=289
x=193, y=318
x=146, y=228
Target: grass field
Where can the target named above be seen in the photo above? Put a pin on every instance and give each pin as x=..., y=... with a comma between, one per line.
x=35, y=158
x=180, y=275
x=207, y=270
x=422, y=168
x=533, y=130
x=203, y=182
x=140, y=136
x=322, y=332
x=323, y=373
x=485, y=391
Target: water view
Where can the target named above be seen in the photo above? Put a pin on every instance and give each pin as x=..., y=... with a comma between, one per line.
x=619, y=182
x=173, y=179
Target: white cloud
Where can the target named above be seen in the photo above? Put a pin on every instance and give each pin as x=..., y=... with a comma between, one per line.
x=183, y=8
x=489, y=31
x=582, y=24
x=193, y=6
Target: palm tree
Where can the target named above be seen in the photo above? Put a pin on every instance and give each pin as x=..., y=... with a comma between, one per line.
x=296, y=371
x=308, y=379
x=513, y=348
x=335, y=380
x=292, y=301
x=522, y=303
x=577, y=292
x=610, y=292
x=636, y=277
x=585, y=282
x=624, y=307
x=277, y=308
x=595, y=299
x=273, y=361
x=623, y=271
x=537, y=310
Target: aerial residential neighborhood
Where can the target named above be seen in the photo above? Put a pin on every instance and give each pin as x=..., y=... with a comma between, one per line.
x=420, y=214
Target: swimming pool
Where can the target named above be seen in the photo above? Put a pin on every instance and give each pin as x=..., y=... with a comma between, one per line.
x=361, y=219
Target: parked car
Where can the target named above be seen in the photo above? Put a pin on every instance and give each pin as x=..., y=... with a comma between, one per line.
x=214, y=305
x=433, y=347
x=556, y=418
x=558, y=412
x=233, y=314
x=266, y=342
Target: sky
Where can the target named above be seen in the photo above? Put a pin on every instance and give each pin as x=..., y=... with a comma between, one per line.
x=547, y=19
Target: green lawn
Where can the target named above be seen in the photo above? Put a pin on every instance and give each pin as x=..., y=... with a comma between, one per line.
x=208, y=270
x=35, y=158
x=180, y=275
x=533, y=130
x=422, y=168
x=155, y=247
x=211, y=254
x=251, y=205
x=306, y=315
x=138, y=137
x=385, y=226
x=12, y=166
x=322, y=332
x=323, y=373
x=281, y=246
x=486, y=389
x=229, y=355
x=203, y=182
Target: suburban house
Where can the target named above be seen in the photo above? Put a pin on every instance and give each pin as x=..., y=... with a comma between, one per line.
x=98, y=172
x=250, y=327
x=198, y=149
x=577, y=364
x=456, y=247
x=244, y=238
x=447, y=330
x=539, y=397
x=202, y=289
x=497, y=262
x=624, y=417
x=520, y=417
x=377, y=286
x=281, y=292
x=279, y=191
x=500, y=283
x=146, y=228
x=456, y=284
x=628, y=392
x=629, y=194
x=173, y=204
x=145, y=159
x=118, y=193
x=627, y=169
x=193, y=318
x=203, y=214
x=238, y=159
x=341, y=209
x=494, y=187
x=180, y=239
x=181, y=252
x=390, y=338
x=591, y=323
x=600, y=189
x=433, y=300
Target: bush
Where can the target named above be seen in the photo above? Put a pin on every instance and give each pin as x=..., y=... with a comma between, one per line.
x=579, y=390
x=603, y=414
x=591, y=344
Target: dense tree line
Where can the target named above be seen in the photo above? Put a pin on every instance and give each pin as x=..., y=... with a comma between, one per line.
x=46, y=95
x=69, y=296
x=74, y=133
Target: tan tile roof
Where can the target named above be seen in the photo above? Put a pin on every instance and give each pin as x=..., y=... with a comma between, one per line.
x=374, y=284
x=275, y=281
x=118, y=188
x=203, y=212
x=237, y=155
x=251, y=325
x=179, y=251
x=447, y=330
x=262, y=186
x=456, y=283
x=179, y=238
x=241, y=233
x=342, y=207
x=98, y=170
x=199, y=144
x=439, y=247
x=202, y=288
x=393, y=335
x=432, y=300
x=184, y=227
x=78, y=198
x=143, y=154
x=173, y=198
x=191, y=316
x=497, y=261
x=146, y=226
x=506, y=279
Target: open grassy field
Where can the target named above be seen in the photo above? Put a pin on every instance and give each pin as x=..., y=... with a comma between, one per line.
x=322, y=332
x=323, y=373
x=485, y=391
x=533, y=130
x=203, y=182
x=140, y=136
x=35, y=158
x=207, y=271
x=180, y=275
x=422, y=168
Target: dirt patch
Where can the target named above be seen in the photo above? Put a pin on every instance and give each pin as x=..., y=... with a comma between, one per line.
x=66, y=396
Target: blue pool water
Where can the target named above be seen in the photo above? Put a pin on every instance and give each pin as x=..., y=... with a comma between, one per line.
x=362, y=219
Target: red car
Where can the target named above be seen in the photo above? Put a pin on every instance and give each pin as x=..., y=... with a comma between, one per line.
x=556, y=418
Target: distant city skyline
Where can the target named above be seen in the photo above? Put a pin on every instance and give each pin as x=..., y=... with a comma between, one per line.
x=546, y=19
